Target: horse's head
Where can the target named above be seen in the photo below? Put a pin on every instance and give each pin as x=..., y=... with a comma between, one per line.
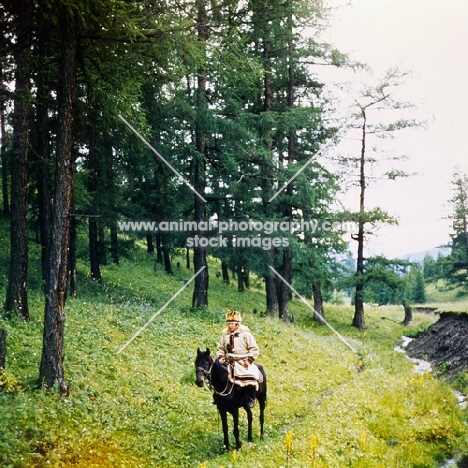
x=203, y=364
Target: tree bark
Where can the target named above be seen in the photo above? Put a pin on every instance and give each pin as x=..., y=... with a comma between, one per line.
x=3, y=143
x=51, y=367
x=225, y=271
x=200, y=291
x=166, y=251
x=240, y=278
x=149, y=243
x=3, y=348
x=270, y=281
x=408, y=320
x=72, y=258
x=246, y=275
x=358, y=319
x=286, y=268
x=318, y=301
x=283, y=290
x=114, y=240
x=17, y=291
x=92, y=185
x=94, y=265
x=43, y=176
x=41, y=138
x=271, y=296
x=159, y=254
x=102, y=243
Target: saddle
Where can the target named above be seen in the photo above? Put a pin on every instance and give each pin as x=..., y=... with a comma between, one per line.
x=243, y=377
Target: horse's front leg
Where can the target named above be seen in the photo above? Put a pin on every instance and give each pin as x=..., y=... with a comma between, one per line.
x=249, y=423
x=223, y=415
x=235, y=418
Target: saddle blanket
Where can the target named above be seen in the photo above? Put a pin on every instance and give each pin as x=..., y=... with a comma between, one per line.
x=243, y=377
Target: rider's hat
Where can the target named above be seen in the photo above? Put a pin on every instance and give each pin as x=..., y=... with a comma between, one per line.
x=233, y=316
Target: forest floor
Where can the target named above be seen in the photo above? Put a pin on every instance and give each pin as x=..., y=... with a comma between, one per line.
x=444, y=344
x=141, y=408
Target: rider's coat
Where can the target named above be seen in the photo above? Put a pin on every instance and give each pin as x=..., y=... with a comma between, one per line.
x=241, y=346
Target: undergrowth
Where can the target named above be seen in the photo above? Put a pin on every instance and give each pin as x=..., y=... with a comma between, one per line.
x=327, y=407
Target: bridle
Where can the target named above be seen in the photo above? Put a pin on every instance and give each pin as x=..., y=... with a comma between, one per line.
x=207, y=374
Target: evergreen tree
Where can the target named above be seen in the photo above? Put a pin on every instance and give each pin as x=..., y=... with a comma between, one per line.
x=377, y=98
x=419, y=291
x=456, y=263
x=21, y=37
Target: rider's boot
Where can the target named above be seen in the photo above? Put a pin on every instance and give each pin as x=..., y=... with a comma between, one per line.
x=250, y=396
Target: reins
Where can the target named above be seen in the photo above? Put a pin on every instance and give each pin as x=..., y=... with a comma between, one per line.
x=223, y=393
x=207, y=374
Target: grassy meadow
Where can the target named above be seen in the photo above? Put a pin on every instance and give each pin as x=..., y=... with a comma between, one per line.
x=327, y=407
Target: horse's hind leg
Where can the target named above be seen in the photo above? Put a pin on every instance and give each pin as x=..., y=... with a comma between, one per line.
x=262, y=401
x=261, y=397
x=262, y=417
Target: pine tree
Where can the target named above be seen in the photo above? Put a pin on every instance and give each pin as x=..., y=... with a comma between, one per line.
x=17, y=296
x=377, y=98
x=456, y=264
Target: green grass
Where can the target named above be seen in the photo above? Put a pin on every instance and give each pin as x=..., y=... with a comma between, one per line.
x=447, y=300
x=141, y=408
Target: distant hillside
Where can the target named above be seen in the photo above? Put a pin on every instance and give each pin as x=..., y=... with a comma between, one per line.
x=419, y=256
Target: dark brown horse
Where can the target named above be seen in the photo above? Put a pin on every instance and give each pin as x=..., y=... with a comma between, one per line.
x=228, y=396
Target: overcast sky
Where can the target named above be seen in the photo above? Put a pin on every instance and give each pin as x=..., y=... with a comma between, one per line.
x=430, y=39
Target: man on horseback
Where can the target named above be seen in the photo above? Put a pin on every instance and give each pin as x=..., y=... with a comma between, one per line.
x=238, y=345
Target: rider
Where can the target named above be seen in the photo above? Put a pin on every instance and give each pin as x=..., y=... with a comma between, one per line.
x=237, y=342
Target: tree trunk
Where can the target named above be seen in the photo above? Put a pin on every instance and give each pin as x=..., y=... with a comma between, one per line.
x=271, y=296
x=94, y=265
x=200, y=292
x=167, y=262
x=246, y=276
x=408, y=320
x=102, y=244
x=51, y=368
x=3, y=143
x=17, y=292
x=93, y=184
x=114, y=240
x=72, y=258
x=159, y=253
x=187, y=258
x=318, y=301
x=149, y=243
x=225, y=271
x=240, y=278
x=270, y=281
x=283, y=290
x=358, y=319
x=42, y=164
x=166, y=255
x=3, y=348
